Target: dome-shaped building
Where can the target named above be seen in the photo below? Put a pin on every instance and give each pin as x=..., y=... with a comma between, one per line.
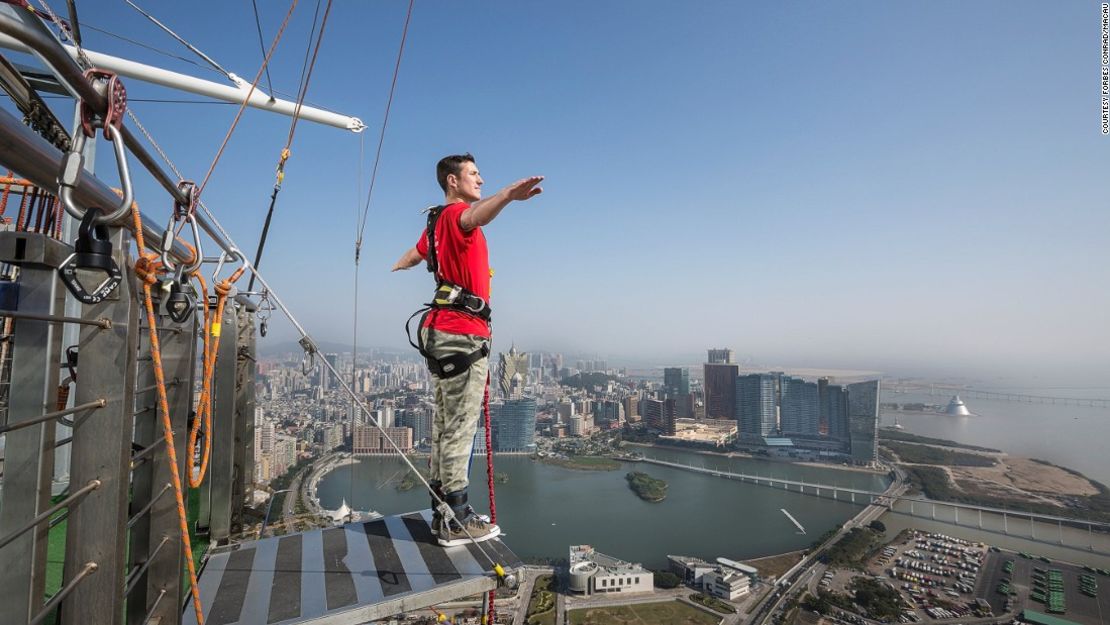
x=956, y=408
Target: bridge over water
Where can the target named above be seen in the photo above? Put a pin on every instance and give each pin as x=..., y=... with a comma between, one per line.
x=949, y=512
x=947, y=390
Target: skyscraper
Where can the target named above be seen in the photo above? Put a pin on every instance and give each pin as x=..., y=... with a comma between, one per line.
x=799, y=408
x=659, y=415
x=510, y=365
x=677, y=381
x=863, y=421
x=720, y=390
x=723, y=356
x=755, y=405
x=834, y=409
x=326, y=379
x=514, y=425
x=419, y=419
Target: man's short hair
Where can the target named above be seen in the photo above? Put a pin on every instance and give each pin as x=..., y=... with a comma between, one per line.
x=451, y=165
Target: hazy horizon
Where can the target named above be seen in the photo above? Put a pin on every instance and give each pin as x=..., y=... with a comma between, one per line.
x=906, y=188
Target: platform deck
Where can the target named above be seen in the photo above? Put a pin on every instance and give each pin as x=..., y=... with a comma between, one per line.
x=343, y=575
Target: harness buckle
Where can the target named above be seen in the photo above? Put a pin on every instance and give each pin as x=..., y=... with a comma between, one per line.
x=451, y=293
x=479, y=309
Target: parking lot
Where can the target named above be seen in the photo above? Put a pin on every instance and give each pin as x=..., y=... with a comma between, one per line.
x=1080, y=607
x=934, y=574
x=939, y=579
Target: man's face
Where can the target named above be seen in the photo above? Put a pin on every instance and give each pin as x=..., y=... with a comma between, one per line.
x=468, y=183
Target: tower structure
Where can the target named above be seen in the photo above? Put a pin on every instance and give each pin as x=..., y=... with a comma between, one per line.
x=510, y=365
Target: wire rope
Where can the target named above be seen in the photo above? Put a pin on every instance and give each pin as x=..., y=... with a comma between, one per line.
x=306, y=78
x=262, y=46
x=148, y=47
x=182, y=41
x=385, y=122
x=243, y=106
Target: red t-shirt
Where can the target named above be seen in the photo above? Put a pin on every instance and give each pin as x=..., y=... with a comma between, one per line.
x=463, y=260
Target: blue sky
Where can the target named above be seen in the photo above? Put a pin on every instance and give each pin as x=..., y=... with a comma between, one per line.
x=893, y=186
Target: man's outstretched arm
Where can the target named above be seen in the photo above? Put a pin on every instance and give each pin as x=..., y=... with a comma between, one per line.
x=409, y=259
x=484, y=211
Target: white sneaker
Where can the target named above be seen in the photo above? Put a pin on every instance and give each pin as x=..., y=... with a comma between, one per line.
x=478, y=526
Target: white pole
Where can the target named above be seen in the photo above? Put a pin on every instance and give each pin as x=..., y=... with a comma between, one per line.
x=183, y=82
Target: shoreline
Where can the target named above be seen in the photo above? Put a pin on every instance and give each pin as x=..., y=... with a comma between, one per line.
x=741, y=454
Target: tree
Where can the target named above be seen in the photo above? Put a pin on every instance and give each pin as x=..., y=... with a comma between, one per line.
x=666, y=579
x=878, y=526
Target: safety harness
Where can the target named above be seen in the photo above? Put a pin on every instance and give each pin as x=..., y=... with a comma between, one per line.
x=447, y=296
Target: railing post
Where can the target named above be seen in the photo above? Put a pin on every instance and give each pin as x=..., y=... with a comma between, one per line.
x=147, y=427
x=101, y=449
x=29, y=451
x=179, y=354
x=221, y=467
x=243, y=472
x=160, y=522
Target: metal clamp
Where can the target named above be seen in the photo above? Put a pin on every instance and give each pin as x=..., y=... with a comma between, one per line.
x=73, y=163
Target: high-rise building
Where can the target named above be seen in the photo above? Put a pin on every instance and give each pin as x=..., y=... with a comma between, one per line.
x=327, y=381
x=479, y=438
x=863, y=421
x=720, y=390
x=514, y=425
x=370, y=440
x=799, y=408
x=419, y=419
x=833, y=401
x=677, y=381
x=608, y=413
x=723, y=356
x=676, y=384
x=631, y=408
x=564, y=410
x=659, y=414
x=755, y=405
x=510, y=366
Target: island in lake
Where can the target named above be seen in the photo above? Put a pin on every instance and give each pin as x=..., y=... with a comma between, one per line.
x=646, y=487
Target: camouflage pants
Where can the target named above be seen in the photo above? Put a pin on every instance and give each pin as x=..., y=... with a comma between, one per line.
x=458, y=408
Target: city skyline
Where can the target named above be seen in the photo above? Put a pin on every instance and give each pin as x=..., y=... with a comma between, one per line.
x=886, y=198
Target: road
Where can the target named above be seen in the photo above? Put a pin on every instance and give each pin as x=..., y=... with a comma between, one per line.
x=288, y=505
x=524, y=593
x=804, y=572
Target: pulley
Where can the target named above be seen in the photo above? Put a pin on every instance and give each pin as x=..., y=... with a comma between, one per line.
x=93, y=252
x=265, y=310
x=179, y=303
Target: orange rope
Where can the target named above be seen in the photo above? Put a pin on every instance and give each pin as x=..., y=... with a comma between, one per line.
x=7, y=182
x=22, y=211
x=213, y=325
x=147, y=268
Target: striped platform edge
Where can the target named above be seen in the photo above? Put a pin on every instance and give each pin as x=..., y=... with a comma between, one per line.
x=344, y=575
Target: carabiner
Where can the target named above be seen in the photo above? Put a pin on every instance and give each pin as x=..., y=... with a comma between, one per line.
x=308, y=361
x=73, y=164
x=233, y=256
x=168, y=238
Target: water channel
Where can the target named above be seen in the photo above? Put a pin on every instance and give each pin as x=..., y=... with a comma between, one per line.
x=544, y=508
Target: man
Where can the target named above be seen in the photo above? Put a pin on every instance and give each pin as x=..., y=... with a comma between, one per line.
x=455, y=333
